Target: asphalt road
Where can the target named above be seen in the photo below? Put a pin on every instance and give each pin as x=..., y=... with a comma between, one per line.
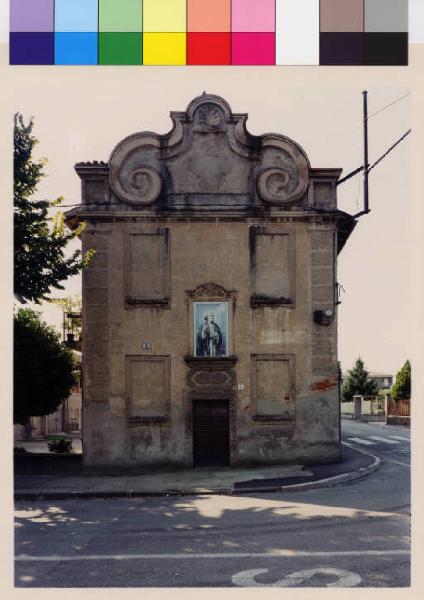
x=352, y=535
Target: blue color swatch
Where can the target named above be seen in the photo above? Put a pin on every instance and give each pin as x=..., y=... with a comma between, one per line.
x=71, y=48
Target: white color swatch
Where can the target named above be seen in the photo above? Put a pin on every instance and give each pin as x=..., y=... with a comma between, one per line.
x=4, y=21
x=416, y=21
x=297, y=32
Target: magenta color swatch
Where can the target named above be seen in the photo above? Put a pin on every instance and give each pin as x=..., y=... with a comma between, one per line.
x=253, y=15
x=32, y=15
x=253, y=49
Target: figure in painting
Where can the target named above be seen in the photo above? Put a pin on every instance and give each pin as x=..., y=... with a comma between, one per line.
x=209, y=337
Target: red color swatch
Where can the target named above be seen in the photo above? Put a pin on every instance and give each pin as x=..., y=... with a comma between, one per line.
x=208, y=48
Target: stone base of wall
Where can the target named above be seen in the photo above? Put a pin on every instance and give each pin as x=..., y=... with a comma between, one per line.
x=392, y=420
x=373, y=418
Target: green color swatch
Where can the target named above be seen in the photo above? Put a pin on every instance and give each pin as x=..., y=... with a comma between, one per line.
x=120, y=16
x=120, y=48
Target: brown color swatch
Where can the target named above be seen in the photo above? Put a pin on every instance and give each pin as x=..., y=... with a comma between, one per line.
x=342, y=15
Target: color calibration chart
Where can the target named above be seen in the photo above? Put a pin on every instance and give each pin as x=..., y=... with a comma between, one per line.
x=209, y=32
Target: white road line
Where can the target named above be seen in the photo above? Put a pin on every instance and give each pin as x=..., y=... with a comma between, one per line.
x=399, y=437
x=382, y=439
x=283, y=553
x=396, y=462
x=361, y=441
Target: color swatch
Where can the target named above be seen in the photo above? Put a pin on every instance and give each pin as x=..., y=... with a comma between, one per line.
x=364, y=32
x=209, y=32
x=120, y=32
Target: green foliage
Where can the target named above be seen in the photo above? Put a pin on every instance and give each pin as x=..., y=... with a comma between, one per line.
x=40, y=240
x=357, y=383
x=44, y=369
x=401, y=389
x=60, y=445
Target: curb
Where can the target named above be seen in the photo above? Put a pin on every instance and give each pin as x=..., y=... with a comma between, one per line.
x=321, y=483
x=296, y=487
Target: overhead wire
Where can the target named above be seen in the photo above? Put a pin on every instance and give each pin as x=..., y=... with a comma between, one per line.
x=386, y=106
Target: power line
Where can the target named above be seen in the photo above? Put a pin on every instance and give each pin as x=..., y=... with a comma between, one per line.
x=362, y=168
x=377, y=112
x=389, y=150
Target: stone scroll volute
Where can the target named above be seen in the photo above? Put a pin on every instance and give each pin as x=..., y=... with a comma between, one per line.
x=211, y=156
x=284, y=174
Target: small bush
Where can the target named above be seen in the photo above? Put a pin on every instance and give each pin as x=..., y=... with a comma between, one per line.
x=60, y=445
x=19, y=450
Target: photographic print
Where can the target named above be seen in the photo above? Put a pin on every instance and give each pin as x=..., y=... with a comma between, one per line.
x=211, y=329
x=176, y=229
x=210, y=216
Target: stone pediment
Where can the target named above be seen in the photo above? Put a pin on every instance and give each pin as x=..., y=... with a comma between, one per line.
x=208, y=161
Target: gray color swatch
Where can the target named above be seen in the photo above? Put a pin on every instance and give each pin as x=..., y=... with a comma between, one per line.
x=386, y=15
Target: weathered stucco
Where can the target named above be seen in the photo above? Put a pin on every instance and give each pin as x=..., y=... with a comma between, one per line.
x=210, y=213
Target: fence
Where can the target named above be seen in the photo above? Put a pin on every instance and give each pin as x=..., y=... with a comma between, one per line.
x=73, y=419
x=348, y=410
x=62, y=421
x=375, y=408
x=399, y=408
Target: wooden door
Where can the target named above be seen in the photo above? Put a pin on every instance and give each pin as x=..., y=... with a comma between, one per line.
x=211, y=433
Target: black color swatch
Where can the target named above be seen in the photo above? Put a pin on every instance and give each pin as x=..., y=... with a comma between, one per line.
x=341, y=48
x=386, y=49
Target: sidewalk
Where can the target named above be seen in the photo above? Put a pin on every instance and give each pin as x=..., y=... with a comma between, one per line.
x=286, y=478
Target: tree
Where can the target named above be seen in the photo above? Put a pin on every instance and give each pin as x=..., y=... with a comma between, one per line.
x=44, y=369
x=40, y=240
x=358, y=383
x=401, y=389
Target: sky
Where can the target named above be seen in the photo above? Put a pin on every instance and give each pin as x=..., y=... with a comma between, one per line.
x=83, y=114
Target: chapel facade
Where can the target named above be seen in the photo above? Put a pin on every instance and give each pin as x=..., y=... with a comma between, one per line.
x=210, y=306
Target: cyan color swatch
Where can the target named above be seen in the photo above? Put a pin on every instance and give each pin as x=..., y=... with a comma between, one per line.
x=76, y=15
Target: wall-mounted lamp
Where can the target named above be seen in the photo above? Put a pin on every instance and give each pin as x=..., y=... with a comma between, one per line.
x=323, y=317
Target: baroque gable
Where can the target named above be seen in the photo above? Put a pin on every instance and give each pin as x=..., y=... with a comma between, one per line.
x=208, y=161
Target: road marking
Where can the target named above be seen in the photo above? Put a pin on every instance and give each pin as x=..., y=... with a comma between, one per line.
x=382, y=439
x=361, y=441
x=399, y=437
x=396, y=462
x=344, y=578
x=283, y=553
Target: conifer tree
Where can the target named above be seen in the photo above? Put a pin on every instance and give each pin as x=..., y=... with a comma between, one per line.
x=357, y=383
x=401, y=389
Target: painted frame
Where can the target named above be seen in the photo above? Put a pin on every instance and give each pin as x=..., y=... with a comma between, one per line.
x=211, y=329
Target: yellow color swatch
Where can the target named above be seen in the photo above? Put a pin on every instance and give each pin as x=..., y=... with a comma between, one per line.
x=164, y=16
x=164, y=49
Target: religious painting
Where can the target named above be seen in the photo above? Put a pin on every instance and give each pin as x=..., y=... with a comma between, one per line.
x=211, y=329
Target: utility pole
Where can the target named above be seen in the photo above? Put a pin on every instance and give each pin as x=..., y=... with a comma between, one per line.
x=366, y=163
x=366, y=167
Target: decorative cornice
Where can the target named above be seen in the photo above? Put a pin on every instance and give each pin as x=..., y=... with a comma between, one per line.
x=210, y=290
